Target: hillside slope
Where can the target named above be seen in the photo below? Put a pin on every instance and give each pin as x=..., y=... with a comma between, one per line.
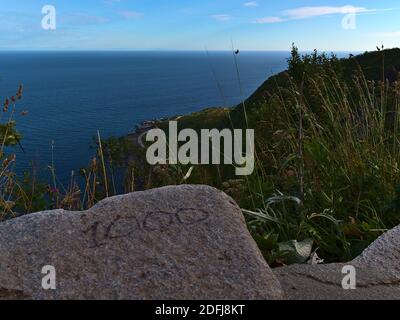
x=371, y=64
x=374, y=65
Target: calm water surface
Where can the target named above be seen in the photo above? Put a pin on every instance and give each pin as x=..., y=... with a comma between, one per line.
x=71, y=95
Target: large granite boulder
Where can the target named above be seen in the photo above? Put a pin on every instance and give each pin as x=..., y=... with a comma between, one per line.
x=377, y=275
x=185, y=242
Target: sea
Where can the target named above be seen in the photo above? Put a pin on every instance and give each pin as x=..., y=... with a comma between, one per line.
x=70, y=96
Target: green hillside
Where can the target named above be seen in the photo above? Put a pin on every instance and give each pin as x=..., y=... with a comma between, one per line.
x=371, y=64
x=374, y=65
x=327, y=155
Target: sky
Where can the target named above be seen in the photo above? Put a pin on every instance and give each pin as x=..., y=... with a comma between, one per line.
x=333, y=25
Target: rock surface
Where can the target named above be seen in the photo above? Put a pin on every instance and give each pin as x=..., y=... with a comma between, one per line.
x=384, y=253
x=377, y=275
x=185, y=242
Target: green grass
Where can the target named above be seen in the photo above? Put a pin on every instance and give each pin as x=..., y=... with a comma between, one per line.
x=206, y=119
x=332, y=144
x=327, y=153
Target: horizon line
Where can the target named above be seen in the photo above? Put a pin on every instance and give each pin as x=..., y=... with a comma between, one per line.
x=179, y=50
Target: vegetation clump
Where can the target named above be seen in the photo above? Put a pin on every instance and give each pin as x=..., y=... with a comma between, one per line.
x=327, y=156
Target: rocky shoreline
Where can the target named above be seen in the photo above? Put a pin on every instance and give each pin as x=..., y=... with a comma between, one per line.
x=144, y=126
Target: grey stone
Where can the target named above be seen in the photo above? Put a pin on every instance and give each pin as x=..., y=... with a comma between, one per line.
x=384, y=253
x=324, y=282
x=377, y=275
x=184, y=242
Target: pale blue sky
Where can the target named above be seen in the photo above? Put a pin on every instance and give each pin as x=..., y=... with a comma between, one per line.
x=196, y=24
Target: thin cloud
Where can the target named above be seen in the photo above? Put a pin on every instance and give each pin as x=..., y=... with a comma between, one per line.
x=221, y=17
x=251, y=4
x=312, y=12
x=269, y=20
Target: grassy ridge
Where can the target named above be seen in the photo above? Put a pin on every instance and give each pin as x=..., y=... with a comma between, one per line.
x=370, y=63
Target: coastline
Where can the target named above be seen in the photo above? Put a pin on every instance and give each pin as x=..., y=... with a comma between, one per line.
x=208, y=118
x=143, y=127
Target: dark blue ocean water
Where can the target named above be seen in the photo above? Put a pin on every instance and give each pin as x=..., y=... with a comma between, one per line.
x=71, y=95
